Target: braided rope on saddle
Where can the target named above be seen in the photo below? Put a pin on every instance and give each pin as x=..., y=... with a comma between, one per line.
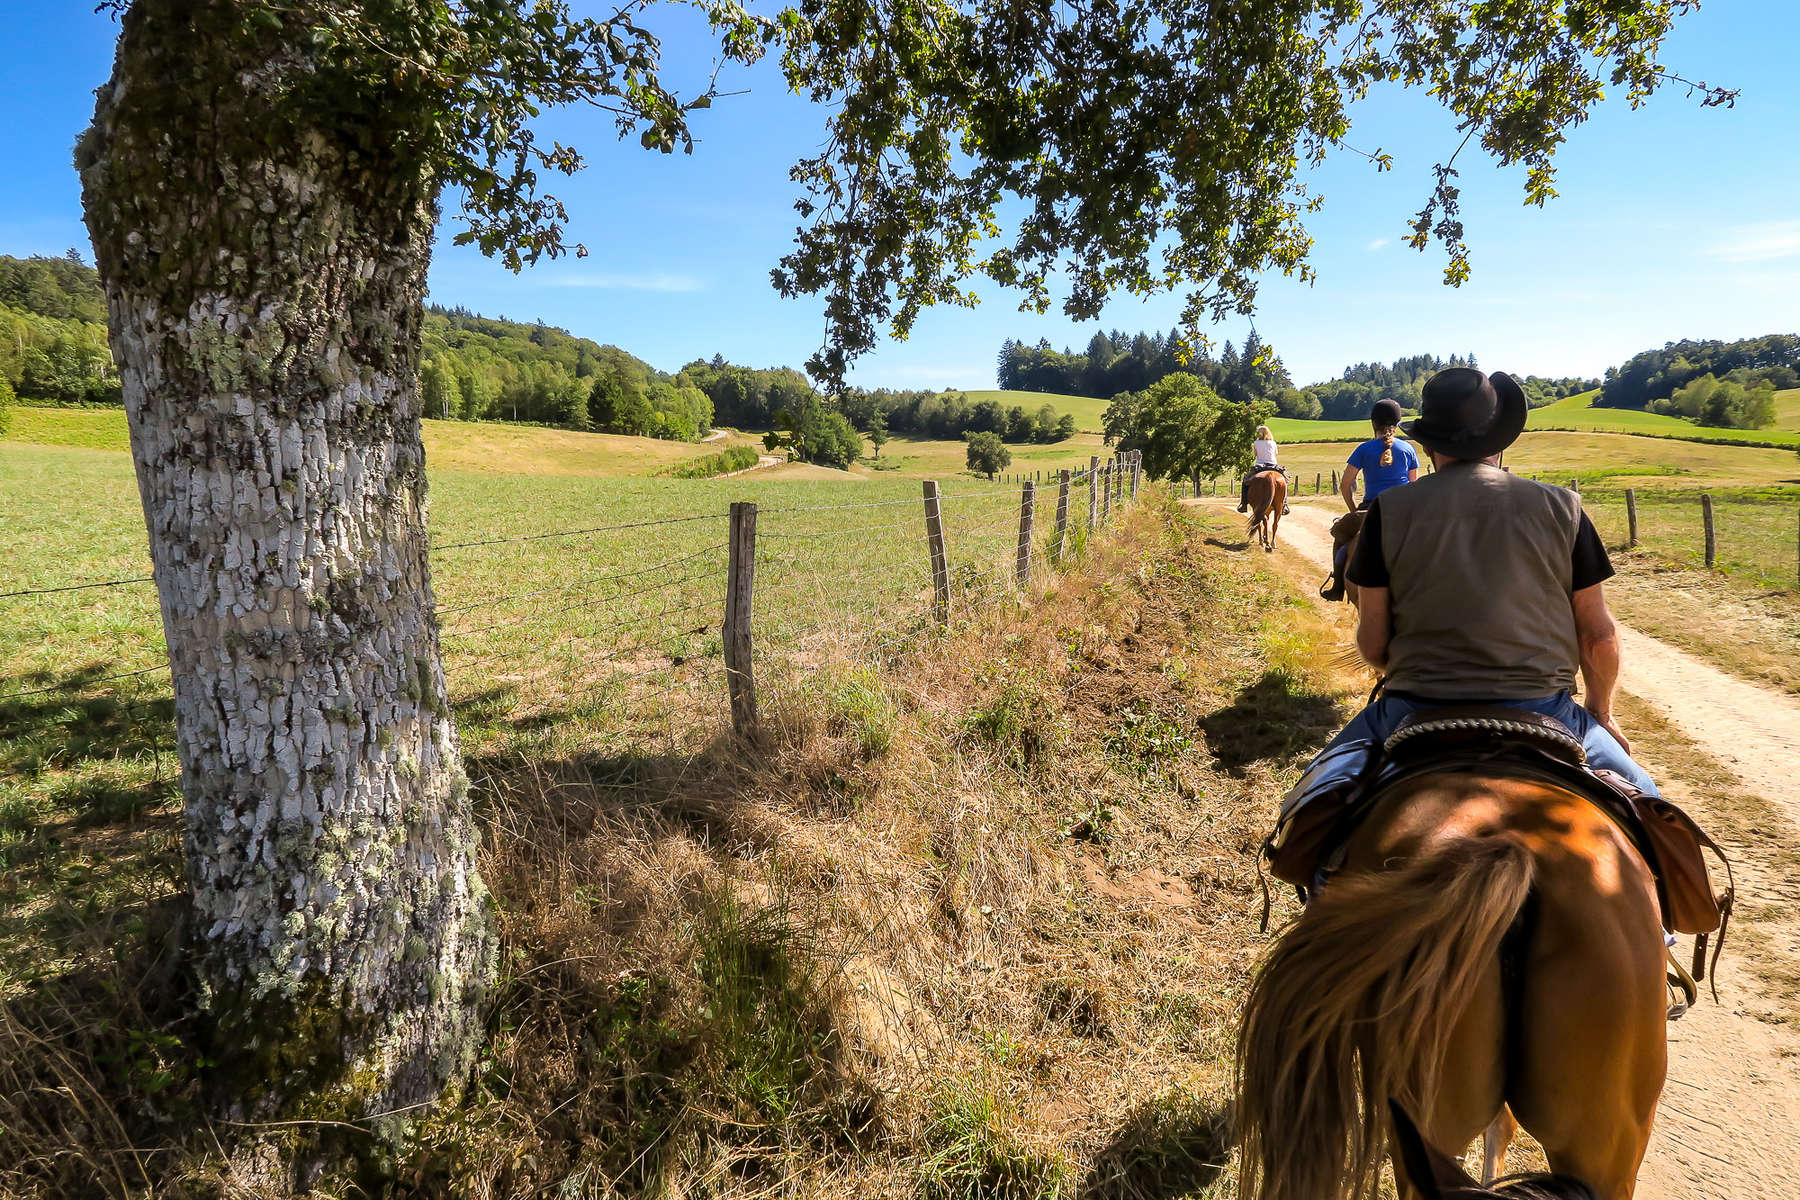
x=1529, y=727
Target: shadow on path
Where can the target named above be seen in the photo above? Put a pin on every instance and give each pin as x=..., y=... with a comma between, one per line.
x=1274, y=718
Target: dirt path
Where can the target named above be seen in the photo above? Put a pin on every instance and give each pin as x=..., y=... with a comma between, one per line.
x=1729, y=1124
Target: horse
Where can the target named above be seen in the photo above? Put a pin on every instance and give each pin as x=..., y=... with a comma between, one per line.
x=1491, y=950
x=1268, y=496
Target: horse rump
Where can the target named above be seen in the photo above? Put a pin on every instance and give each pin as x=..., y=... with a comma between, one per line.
x=1356, y=1006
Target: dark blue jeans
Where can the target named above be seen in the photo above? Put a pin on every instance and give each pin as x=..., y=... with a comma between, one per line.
x=1344, y=757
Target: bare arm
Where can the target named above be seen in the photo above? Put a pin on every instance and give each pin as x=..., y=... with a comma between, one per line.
x=1347, y=488
x=1373, y=627
x=1599, y=637
x=1412, y=476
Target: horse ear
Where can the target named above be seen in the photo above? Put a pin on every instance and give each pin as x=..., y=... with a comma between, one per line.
x=1432, y=1173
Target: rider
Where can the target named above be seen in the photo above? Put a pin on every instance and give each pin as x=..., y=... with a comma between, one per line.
x=1384, y=462
x=1479, y=587
x=1267, y=459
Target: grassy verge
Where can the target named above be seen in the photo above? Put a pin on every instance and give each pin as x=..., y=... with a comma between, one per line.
x=976, y=926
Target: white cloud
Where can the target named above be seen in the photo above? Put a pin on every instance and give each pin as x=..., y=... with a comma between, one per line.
x=1378, y=243
x=654, y=281
x=1759, y=242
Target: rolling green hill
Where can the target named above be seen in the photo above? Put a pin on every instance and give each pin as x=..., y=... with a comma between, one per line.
x=1578, y=413
x=1088, y=411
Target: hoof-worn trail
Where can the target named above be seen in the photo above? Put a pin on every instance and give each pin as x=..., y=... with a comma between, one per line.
x=1729, y=1125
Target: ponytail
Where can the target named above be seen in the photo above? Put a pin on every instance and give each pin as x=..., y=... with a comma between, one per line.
x=1387, y=446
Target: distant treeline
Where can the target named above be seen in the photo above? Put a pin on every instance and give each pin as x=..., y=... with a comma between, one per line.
x=1352, y=395
x=1115, y=362
x=751, y=398
x=53, y=332
x=1651, y=380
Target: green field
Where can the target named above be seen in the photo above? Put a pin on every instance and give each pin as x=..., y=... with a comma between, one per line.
x=1089, y=412
x=1578, y=413
x=579, y=602
x=484, y=446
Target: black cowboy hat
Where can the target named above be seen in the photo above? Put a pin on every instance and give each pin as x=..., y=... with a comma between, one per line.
x=1465, y=414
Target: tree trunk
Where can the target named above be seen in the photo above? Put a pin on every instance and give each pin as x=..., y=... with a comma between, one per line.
x=263, y=230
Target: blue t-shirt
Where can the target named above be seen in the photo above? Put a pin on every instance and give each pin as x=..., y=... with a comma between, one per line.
x=1377, y=478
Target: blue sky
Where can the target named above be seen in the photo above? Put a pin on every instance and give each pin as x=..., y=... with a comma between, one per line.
x=1673, y=221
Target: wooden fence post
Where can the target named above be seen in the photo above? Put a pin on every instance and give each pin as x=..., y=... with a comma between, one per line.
x=1093, y=482
x=1712, y=544
x=1575, y=486
x=1318, y=481
x=1334, y=486
x=1631, y=518
x=1106, y=482
x=1137, y=471
x=1062, y=517
x=1027, y=516
x=940, y=566
x=740, y=674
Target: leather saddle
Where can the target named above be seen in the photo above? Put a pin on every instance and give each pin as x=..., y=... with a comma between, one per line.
x=1309, y=843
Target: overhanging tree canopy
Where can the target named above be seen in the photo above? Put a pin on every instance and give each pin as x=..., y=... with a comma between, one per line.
x=1154, y=144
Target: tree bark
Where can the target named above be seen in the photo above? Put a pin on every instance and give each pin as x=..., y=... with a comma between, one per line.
x=263, y=228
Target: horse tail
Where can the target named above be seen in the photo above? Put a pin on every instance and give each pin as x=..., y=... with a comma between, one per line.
x=1356, y=1006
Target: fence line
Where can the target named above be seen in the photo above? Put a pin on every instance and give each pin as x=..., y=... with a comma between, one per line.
x=722, y=609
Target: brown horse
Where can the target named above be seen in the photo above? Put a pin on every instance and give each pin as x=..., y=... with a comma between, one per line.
x=1268, y=496
x=1491, y=949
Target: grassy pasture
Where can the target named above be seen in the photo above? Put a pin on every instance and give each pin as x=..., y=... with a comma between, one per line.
x=484, y=446
x=925, y=458
x=1088, y=411
x=588, y=641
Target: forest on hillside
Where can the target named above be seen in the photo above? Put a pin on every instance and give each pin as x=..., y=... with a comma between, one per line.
x=53, y=346
x=53, y=350
x=1730, y=384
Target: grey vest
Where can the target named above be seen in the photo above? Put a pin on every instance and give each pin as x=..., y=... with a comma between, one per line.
x=1480, y=563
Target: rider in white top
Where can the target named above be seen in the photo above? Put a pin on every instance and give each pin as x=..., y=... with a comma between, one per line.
x=1265, y=450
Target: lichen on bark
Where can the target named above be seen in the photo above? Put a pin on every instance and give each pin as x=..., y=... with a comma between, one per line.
x=264, y=257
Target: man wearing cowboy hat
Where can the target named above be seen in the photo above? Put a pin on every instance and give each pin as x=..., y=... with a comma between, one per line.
x=1479, y=587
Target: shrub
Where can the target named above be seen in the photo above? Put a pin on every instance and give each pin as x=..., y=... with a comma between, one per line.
x=6, y=405
x=724, y=462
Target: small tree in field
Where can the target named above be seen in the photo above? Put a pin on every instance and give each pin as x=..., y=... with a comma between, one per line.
x=878, y=433
x=1185, y=429
x=988, y=455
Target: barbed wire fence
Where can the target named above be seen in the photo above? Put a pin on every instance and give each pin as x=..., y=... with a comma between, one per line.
x=635, y=617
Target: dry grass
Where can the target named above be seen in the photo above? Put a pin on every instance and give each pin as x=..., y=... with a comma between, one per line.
x=976, y=924
x=1746, y=629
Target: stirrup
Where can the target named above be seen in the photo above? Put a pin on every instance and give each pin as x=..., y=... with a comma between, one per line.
x=1680, y=981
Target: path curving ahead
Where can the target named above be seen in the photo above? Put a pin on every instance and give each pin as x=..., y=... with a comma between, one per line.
x=1729, y=1121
